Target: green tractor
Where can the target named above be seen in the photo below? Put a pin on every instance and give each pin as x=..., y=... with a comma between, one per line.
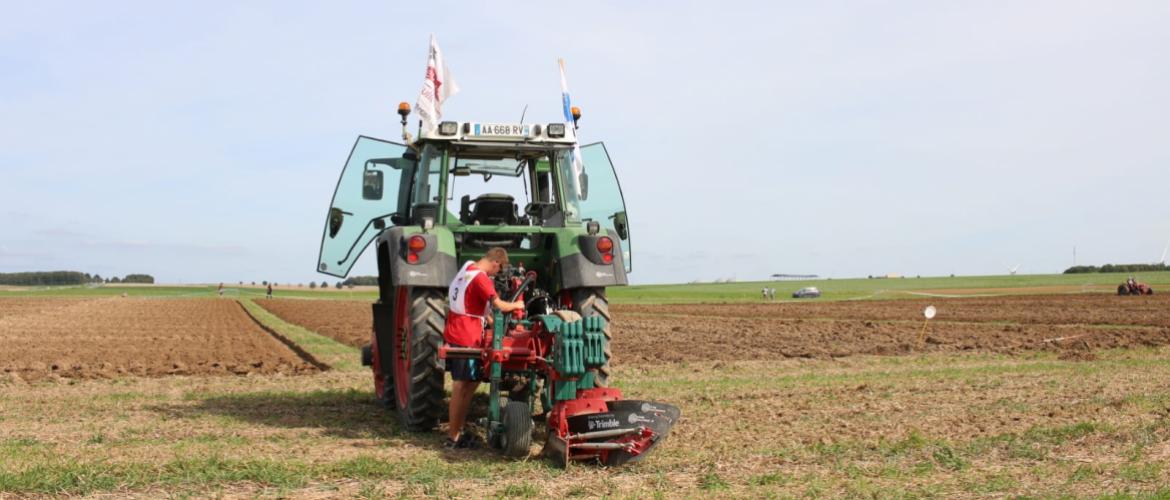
x=447, y=197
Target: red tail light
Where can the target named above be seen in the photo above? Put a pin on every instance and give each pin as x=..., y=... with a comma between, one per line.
x=604, y=244
x=415, y=245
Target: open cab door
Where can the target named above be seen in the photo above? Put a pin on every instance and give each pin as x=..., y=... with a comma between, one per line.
x=601, y=197
x=365, y=202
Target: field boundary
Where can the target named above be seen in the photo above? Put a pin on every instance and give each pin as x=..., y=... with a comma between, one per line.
x=339, y=355
x=305, y=355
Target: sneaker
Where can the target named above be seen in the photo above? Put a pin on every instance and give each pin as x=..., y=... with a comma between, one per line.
x=467, y=441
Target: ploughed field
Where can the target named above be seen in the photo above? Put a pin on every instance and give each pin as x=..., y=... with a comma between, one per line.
x=115, y=336
x=347, y=321
x=1069, y=324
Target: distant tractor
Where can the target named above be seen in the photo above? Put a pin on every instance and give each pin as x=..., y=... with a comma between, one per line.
x=447, y=197
x=1132, y=287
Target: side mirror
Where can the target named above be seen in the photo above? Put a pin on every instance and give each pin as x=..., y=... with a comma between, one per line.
x=372, y=185
x=583, y=181
x=621, y=225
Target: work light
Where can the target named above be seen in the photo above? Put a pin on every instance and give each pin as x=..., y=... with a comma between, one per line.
x=556, y=130
x=448, y=128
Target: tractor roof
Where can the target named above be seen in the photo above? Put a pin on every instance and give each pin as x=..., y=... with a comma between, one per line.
x=502, y=136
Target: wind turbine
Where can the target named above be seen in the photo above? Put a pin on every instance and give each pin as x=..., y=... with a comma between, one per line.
x=1013, y=270
x=1163, y=259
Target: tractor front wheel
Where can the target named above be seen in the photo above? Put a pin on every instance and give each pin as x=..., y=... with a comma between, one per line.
x=419, y=319
x=1122, y=290
x=592, y=302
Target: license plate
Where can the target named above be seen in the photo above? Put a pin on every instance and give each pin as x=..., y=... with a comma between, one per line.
x=501, y=130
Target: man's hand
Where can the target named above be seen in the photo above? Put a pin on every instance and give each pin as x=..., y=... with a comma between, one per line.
x=507, y=306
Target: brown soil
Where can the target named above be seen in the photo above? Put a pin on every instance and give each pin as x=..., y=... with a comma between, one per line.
x=650, y=339
x=116, y=336
x=10, y=307
x=1086, y=309
x=347, y=321
x=1074, y=325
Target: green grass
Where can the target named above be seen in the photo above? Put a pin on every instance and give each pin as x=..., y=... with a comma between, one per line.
x=746, y=291
x=192, y=291
x=331, y=352
x=838, y=289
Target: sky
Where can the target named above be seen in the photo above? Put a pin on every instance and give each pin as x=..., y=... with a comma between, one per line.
x=201, y=142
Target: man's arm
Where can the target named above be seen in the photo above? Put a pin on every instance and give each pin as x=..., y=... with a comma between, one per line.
x=507, y=306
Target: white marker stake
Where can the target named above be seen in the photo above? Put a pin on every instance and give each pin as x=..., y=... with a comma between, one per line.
x=929, y=313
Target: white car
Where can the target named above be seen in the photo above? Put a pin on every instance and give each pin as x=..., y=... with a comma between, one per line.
x=810, y=292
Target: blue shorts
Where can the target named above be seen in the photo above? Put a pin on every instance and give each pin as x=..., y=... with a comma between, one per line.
x=464, y=368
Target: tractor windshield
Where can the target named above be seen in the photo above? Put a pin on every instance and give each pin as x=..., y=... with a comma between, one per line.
x=490, y=184
x=489, y=190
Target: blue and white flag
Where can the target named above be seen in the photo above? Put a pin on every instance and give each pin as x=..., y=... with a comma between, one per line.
x=578, y=166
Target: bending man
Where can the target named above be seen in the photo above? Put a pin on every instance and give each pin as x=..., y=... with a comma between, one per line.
x=468, y=298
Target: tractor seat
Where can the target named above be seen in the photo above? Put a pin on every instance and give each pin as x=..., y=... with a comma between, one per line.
x=494, y=208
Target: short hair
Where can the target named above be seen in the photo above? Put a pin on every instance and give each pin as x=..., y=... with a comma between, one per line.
x=497, y=255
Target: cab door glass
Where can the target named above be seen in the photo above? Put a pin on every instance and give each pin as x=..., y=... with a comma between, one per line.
x=600, y=196
x=365, y=199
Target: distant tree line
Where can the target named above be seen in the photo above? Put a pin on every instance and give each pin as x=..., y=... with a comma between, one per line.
x=1117, y=268
x=44, y=278
x=57, y=278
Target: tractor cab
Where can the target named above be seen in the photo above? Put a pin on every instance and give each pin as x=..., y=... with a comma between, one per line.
x=472, y=186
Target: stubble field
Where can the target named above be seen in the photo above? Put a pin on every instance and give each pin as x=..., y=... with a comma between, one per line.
x=1039, y=395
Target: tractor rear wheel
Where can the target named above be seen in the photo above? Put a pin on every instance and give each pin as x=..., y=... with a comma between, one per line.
x=420, y=317
x=592, y=302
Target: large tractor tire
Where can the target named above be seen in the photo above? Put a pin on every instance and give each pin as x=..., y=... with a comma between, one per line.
x=1122, y=290
x=592, y=302
x=420, y=316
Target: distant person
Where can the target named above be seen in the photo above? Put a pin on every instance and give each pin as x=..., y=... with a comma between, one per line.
x=221, y=289
x=765, y=293
x=771, y=294
x=269, y=296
